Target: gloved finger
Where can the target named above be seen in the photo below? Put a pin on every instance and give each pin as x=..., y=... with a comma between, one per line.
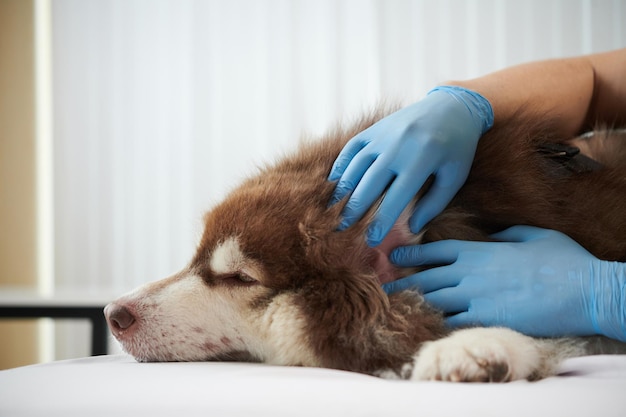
x=352, y=175
x=484, y=311
x=434, y=253
x=464, y=319
x=350, y=150
x=520, y=234
x=399, y=285
x=396, y=199
x=434, y=279
x=370, y=188
x=432, y=203
x=449, y=300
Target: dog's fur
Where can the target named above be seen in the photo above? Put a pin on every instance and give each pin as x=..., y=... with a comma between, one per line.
x=273, y=281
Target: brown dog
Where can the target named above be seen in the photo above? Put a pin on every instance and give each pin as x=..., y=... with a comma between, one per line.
x=273, y=281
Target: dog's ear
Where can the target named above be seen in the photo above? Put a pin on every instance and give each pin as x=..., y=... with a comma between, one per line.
x=347, y=315
x=340, y=261
x=351, y=322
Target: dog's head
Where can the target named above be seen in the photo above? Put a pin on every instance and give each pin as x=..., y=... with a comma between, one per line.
x=272, y=280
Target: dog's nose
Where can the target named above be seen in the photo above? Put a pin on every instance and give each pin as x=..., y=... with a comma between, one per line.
x=119, y=317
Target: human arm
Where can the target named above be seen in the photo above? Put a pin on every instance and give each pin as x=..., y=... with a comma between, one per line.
x=576, y=93
x=537, y=281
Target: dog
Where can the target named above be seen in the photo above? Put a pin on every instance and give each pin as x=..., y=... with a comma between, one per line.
x=273, y=280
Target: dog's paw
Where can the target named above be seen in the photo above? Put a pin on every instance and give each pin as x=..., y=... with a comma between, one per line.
x=479, y=355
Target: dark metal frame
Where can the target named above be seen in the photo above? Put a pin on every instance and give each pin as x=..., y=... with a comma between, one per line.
x=99, y=330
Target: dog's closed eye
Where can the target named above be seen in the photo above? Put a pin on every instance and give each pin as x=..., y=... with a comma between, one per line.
x=238, y=278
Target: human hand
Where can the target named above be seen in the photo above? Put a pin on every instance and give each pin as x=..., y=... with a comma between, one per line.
x=537, y=281
x=436, y=136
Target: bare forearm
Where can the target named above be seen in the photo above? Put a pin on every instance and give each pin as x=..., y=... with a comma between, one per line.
x=575, y=93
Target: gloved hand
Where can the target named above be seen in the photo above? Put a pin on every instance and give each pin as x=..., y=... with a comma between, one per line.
x=437, y=135
x=537, y=281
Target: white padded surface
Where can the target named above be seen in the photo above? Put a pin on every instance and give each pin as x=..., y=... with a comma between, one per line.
x=119, y=386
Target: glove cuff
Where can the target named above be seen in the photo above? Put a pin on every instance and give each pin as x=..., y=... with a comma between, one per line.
x=478, y=106
x=608, y=301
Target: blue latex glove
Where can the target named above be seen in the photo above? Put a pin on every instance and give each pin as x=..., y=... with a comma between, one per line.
x=437, y=135
x=537, y=281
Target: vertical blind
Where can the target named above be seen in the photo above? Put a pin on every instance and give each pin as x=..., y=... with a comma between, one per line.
x=160, y=107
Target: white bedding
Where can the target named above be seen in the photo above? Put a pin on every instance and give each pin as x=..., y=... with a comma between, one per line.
x=118, y=386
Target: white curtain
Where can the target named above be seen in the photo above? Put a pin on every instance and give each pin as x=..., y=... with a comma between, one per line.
x=161, y=106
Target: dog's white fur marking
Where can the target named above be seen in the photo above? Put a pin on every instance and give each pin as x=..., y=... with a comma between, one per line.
x=227, y=257
x=474, y=354
x=181, y=318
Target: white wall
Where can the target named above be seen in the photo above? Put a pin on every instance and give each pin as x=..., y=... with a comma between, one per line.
x=161, y=106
